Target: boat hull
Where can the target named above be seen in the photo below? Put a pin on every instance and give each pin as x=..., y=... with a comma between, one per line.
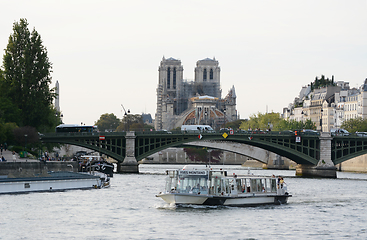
x=58, y=182
x=185, y=199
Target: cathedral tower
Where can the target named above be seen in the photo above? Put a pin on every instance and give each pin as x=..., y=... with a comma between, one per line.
x=207, y=77
x=169, y=84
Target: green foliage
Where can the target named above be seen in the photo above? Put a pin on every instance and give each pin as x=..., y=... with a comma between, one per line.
x=107, y=122
x=24, y=86
x=262, y=121
x=309, y=125
x=132, y=122
x=355, y=125
x=17, y=149
x=9, y=112
x=177, y=129
x=26, y=136
x=265, y=121
x=322, y=82
x=295, y=125
x=7, y=133
x=234, y=125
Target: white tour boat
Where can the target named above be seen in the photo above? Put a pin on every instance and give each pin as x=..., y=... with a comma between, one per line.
x=201, y=185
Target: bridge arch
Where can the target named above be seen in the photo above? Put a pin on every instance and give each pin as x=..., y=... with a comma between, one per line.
x=252, y=152
x=305, y=152
x=86, y=140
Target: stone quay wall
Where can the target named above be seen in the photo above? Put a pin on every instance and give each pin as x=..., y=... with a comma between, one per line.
x=357, y=164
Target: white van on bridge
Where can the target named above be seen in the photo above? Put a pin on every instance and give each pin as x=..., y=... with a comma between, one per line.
x=197, y=129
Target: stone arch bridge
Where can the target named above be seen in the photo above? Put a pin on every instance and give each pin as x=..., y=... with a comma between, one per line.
x=323, y=150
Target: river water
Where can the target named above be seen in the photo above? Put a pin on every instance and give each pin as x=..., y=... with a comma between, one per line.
x=319, y=209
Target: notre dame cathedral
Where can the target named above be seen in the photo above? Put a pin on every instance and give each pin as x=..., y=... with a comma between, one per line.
x=198, y=102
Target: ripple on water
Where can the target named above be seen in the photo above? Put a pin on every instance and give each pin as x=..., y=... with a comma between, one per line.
x=319, y=209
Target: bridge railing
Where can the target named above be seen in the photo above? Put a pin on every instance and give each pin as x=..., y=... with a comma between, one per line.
x=75, y=134
x=236, y=132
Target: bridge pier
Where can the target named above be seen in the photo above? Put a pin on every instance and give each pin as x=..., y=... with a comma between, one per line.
x=325, y=168
x=129, y=165
x=312, y=171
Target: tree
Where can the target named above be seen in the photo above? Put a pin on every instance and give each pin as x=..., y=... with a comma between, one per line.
x=295, y=125
x=7, y=133
x=234, y=125
x=322, y=82
x=26, y=79
x=132, y=122
x=107, y=122
x=26, y=136
x=262, y=121
x=309, y=125
x=275, y=122
x=355, y=125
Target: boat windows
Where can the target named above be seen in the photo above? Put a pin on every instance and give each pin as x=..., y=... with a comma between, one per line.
x=268, y=185
x=273, y=185
x=239, y=185
x=192, y=185
x=227, y=187
x=215, y=187
x=245, y=185
x=248, y=185
x=256, y=185
x=263, y=189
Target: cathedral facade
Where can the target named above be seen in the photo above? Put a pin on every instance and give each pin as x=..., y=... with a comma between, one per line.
x=198, y=102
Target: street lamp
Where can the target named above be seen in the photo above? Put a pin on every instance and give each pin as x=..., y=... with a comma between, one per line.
x=127, y=120
x=321, y=120
x=224, y=115
x=25, y=148
x=209, y=151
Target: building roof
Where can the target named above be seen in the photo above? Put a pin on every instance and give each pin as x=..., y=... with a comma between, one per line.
x=206, y=97
x=147, y=117
x=171, y=59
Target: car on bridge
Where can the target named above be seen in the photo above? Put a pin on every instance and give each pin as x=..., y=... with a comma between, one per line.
x=361, y=134
x=339, y=132
x=242, y=131
x=163, y=131
x=310, y=132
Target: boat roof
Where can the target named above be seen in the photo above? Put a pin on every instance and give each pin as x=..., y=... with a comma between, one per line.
x=52, y=176
x=208, y=168
x=90, y=156
x=195, y=167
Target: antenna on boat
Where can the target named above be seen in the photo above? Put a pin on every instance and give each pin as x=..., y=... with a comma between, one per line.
x=209, y=151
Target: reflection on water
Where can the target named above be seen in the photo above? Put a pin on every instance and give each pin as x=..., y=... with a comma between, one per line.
x=319, y=209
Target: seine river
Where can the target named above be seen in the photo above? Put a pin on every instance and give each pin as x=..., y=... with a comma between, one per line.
x=319, y=209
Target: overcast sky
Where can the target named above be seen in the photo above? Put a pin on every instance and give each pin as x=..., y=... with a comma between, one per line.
x=107, y=53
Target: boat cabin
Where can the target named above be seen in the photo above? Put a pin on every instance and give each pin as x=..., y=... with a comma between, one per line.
x=217, y=183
